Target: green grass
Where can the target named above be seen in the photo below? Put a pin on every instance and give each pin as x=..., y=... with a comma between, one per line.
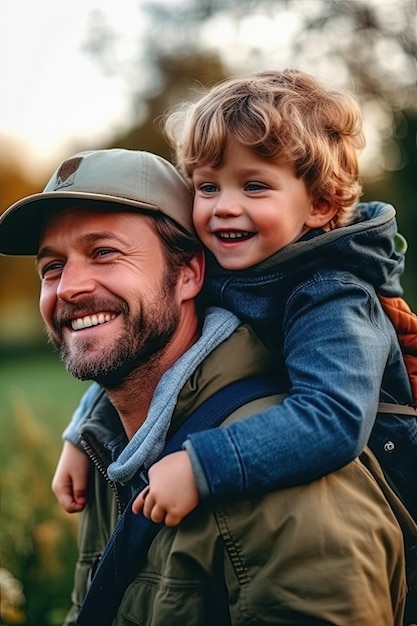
x=39, y=385
x=37, y=539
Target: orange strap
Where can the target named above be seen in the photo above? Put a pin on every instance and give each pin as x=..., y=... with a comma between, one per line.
x=404, y=321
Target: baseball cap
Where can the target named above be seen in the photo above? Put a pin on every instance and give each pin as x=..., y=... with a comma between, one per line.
x=134, y=179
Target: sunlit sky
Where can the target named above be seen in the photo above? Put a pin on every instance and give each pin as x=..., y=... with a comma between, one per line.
x=52, y=92
x=56, y=97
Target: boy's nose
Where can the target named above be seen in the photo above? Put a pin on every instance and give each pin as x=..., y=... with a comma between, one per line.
x=227, y=206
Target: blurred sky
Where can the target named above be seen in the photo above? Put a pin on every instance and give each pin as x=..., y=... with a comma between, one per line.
x=52, y=92
x=56, y=97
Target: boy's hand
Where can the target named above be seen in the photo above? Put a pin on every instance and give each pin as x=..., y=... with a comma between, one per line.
x=69, y=483
x=172, y=491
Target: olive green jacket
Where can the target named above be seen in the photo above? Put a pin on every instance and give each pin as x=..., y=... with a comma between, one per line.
x=330, y=552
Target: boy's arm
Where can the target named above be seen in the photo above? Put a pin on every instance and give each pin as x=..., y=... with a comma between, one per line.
x=336, y=347
x=72, y=431
x=69, y=483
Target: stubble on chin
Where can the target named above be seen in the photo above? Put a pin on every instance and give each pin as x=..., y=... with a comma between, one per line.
x=86, y=360
x=78, y=357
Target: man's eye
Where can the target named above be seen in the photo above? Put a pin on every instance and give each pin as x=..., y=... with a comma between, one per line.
x=104, y=252
x=49, y=268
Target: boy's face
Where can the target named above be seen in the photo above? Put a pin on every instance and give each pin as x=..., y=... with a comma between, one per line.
x=249, y=208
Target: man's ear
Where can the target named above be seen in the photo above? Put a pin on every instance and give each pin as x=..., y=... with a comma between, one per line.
x=192, y=277
x=321, y=214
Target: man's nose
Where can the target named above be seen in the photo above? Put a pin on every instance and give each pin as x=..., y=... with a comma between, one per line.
x=75, y=281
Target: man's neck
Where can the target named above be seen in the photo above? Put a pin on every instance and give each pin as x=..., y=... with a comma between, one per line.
x=133, y=397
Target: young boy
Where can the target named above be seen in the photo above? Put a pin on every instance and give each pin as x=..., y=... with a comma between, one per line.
x=273, y=162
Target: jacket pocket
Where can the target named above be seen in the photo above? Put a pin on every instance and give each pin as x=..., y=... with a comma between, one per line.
x=153, y=600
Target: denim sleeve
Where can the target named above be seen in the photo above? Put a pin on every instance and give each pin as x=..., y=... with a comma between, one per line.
x=336, y=346
x=71, y=432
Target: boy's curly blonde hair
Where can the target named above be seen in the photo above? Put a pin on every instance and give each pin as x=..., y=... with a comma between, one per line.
x=288, y=116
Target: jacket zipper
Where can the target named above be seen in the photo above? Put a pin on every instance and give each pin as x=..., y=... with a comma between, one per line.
x=102, y=468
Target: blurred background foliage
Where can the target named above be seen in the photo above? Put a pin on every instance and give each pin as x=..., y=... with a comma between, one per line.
x=365, y=45
x=368, y=46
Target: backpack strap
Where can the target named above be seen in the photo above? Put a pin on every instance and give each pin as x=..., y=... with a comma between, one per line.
x=404, y=321
x=134, y=534
x=398, y=409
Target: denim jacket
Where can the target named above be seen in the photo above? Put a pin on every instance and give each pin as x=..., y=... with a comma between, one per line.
x=314, y=305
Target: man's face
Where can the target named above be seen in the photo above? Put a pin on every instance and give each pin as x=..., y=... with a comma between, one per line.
x=108, y=302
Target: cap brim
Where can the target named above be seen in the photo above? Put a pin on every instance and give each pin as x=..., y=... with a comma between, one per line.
x=21, y=224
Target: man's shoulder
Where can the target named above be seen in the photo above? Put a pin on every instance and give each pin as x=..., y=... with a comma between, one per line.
x=242, y=355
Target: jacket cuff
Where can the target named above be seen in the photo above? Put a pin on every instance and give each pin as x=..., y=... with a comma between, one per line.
x=200, y=479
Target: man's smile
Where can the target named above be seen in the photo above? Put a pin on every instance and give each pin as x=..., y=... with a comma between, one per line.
x=92, y=320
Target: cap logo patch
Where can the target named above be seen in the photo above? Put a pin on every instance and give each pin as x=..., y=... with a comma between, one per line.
x=66, y=173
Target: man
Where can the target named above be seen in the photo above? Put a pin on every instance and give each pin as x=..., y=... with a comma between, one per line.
x=121, y=270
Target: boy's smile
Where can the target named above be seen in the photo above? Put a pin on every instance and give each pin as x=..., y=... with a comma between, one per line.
x=249, y=207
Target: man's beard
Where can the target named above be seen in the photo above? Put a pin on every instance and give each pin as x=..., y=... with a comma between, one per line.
x=144, y=338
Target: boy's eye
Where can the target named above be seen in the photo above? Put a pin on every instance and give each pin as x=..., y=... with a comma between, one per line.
x=208, y=188
x=255, y=187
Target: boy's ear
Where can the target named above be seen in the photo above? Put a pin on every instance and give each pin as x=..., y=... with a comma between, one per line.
x=321, y=214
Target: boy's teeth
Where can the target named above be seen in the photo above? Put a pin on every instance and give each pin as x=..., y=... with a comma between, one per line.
x=91, y=320
x=234, y=235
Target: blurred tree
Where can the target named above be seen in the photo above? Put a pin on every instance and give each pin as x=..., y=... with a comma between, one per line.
x=18, y=297
x=367, y=45
x=180, y=74
x=398, y=186
x=14, y=182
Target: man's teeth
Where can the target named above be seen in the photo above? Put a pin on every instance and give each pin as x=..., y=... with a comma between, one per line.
x=242, y=235
x=91, y=320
